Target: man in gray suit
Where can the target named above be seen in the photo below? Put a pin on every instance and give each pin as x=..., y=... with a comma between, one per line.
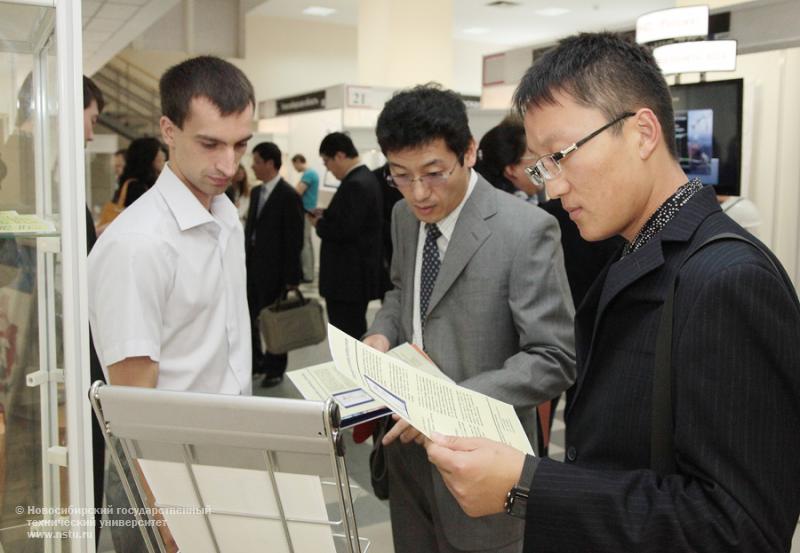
x=479, y=283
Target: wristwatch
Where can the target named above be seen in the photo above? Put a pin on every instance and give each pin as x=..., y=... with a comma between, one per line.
x=517, y=497
x=517, y=501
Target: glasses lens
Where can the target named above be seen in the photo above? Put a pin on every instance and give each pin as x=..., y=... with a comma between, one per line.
x=548, y=167
x=433, y=179
x=534, y=175
x=399, y=181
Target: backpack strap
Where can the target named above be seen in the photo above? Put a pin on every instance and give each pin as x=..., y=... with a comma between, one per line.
x=662, y=448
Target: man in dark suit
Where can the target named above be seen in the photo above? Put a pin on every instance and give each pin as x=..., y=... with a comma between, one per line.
x=274, y=239
x=350, y=230
x=598, y=114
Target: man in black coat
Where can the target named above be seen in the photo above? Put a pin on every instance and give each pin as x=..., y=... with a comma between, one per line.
x=715, y=465
x=350, y=230
x=273, y=241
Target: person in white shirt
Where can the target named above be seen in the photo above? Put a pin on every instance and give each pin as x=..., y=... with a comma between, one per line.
x=167, y=287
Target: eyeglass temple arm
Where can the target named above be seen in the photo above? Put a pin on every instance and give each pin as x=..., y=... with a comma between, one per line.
x=586, y=139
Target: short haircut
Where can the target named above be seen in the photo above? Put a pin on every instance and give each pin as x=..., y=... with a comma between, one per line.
x=603, y=71
x=418, y=116
x=337, y=142
x=92, y=92
x=298, y=158
x=269, y=151
x=502, y=146
x=221, y=82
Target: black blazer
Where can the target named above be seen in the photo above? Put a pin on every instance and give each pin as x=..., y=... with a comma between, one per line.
x=736, y=405
x=273, y=241
x=350, y=230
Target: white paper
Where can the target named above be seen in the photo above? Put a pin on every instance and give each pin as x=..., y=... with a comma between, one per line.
x=243, y=491
x=427, y=402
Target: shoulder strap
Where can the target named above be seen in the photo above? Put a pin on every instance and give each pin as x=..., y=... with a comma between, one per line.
x=662, y=450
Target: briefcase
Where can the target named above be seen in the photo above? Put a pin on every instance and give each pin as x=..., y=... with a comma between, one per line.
x=291, y=323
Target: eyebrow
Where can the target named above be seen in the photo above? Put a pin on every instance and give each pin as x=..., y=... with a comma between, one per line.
x=218, y=141
x=427, y=164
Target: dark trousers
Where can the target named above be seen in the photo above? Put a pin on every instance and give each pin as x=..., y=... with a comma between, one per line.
x=98, y=446
x=348, y=316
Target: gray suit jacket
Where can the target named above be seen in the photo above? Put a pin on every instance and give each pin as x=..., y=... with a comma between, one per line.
x=500, y=321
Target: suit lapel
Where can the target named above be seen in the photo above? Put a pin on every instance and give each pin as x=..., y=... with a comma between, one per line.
x=628, y=270
x=408, y=229
x=470, y=232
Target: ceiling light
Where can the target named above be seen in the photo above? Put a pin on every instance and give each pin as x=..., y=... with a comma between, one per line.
x=319, y=11
x=551, y=12
x=476, y=31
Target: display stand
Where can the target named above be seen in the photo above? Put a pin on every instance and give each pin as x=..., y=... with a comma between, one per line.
x=248, y=473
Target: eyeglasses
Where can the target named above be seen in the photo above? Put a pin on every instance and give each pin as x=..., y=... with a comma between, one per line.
x=436, y=178
x=549, y=167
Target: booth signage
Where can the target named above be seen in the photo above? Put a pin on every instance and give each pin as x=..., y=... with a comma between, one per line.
x=367, y=97
x=691, y=21
x=696, y=57
x=303, y=102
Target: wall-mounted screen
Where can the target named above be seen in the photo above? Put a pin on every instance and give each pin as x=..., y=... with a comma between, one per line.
x=708, y=132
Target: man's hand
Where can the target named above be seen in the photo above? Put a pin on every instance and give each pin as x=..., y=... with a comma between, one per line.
x=378, y=342
x=315, y=215
x=404, y=431
x=478, y=472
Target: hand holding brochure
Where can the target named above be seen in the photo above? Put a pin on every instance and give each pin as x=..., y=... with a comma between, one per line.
x=427, y=402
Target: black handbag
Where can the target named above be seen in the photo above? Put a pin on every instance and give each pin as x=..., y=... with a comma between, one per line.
x=292, y=323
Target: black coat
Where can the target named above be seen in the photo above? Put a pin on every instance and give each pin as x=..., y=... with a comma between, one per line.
x=736, y=405
x=350, y=230
x=273, y=241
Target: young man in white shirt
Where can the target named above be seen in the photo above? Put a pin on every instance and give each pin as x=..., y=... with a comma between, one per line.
x=167, y=288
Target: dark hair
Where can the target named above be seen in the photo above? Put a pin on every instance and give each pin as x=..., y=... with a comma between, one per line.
x=92, y=92
x=120, y=152
x=299, y=158
x=503, y=145
x=221, y=82
x=420, y=115
x=269, y=151
x=139, y=160
x=337, y=142
x=603, y=71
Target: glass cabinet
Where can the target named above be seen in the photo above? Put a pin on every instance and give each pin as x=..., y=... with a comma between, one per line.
x=45, y=483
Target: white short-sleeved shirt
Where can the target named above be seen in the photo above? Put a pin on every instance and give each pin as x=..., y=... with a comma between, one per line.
x=167, y=281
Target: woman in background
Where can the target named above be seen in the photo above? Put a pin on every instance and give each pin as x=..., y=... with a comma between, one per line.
x=239, y=192
x=144, y=161
x=502, y=160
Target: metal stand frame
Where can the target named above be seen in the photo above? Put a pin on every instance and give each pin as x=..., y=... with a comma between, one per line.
x=273, y=427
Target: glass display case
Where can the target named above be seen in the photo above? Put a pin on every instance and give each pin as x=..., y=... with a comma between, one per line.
x=45, y=483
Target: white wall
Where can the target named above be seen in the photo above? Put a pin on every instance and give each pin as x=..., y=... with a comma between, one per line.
x=283, y=56
x=468, y=65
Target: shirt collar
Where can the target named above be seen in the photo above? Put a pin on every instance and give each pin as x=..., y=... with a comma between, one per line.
x=187, y=209
x=270, y=184
x=663, y=215
x=353, y=168
x=448, y=224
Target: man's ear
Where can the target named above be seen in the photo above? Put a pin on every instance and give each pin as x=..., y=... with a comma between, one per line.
x=471, y=155
x=168, y=130
x=648, y=129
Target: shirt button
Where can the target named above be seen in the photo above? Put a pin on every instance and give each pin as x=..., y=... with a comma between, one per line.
x=572, y=454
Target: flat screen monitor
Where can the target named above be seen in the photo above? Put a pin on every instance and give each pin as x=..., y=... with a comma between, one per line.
x=708, y=132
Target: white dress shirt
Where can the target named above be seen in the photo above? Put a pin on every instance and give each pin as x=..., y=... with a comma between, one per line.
x=167, y=281
x=446, y=226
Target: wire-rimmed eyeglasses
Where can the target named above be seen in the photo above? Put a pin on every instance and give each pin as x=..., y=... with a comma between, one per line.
x=548, y=167
x=436, y=178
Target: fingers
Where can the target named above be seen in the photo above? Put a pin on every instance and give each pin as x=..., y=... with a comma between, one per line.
x=459, y=444
x=399, y=427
